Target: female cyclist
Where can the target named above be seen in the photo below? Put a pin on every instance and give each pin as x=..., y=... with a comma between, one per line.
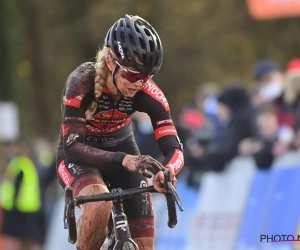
x=97, y=146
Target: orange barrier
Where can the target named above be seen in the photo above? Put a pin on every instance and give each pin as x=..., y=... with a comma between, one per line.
x=271, y=9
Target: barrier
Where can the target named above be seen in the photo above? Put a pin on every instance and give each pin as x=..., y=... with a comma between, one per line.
x=176, y=238
x=252, y=221
x=57, y=237
x=219, y=210
x=272, y=209
x=233, y=208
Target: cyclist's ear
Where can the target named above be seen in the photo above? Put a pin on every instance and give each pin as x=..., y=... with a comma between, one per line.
x=109, y=62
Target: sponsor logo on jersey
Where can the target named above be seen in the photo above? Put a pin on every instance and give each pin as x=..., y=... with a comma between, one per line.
x=164, y=121
x=176, y=161
x=73, y=101
x=64, y=175
x=151, y=89
x=164, y=131
x=108, y=121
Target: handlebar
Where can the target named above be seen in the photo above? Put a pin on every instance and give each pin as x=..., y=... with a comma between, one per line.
x=172, y=197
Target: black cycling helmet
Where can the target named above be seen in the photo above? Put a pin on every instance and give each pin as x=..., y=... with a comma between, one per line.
x=135, y=44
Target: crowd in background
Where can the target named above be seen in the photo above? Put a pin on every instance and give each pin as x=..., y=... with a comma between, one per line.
x=218, y=125
x=263, y=122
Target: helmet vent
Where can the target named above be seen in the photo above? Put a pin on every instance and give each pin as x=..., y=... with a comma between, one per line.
x=148, y=33
x=158, y=44
x=123, y=37
x=137, y=29
x=127, y=54
x=114, y=35
x=151, y=46
x=140, y=22
x=142, y=42
x=131, y=39
x=137, y=58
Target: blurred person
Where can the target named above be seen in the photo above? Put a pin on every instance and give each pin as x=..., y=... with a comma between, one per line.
x=275, y=86
x=21, y=203
x=284, y=141
x=197, y=124
x=44, y=149
x=296, y=141
x=5, y=156
x=198, y=133
x=235, y=111
x=205, y=102
x=271, y=141
x=287, y=108
x=268, y=76
x=291, y=94
x=96, y=140
x=261, y=145
x=190, y=117
x=144, y=135
x=206, y=98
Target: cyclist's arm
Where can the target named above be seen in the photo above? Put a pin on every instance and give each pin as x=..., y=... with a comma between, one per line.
x=156, y=106
x=77, y=96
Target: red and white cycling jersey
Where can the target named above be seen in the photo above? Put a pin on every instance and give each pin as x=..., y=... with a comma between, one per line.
x=112, y=116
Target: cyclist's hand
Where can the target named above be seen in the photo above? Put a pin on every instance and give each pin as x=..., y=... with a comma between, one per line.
x=141, y=164
x=159, y=180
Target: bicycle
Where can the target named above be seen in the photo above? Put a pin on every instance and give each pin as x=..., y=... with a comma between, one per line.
x=119, y=237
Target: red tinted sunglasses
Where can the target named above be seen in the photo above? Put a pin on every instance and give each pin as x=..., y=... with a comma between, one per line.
x=131, y=75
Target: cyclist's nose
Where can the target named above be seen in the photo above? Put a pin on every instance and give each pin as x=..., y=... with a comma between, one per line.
x=138, y=84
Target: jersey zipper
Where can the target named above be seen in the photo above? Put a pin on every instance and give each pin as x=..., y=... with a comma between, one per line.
x=112, y=115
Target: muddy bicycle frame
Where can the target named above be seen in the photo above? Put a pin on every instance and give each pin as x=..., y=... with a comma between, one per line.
x=120, y=224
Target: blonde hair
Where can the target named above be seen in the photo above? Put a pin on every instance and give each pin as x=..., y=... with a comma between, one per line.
x=100, y=79
x=292, y=87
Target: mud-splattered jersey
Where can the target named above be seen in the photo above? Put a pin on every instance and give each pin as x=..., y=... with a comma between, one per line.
x=112, y=120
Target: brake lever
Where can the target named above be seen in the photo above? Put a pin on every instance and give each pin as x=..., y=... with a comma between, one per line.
x=69, y=215
x=175, y=196
x=169, y=186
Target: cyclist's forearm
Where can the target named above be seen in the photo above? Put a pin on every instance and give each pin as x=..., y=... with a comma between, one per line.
x=85, y=155
x=174, y=159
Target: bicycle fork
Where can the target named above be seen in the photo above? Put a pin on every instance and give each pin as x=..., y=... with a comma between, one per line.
x=120, y=233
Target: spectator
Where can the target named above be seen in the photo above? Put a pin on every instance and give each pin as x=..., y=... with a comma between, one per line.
x=20, y=199
x=261, y=146
x=44, y=160
x=272, y=87
x=296, y=141
x=235, y=111
x=198, y=113
x=196, y=127
x=292, y=92
x=269, y=80
x=198, y=133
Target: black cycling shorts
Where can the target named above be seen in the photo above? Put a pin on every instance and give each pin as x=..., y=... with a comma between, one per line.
x=138, y=209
